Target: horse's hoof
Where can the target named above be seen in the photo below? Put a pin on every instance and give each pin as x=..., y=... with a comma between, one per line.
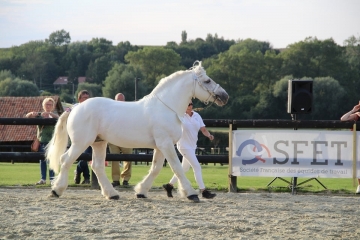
x=194, y=198
x=140, y=196
x=116, y=197
x=54, y=194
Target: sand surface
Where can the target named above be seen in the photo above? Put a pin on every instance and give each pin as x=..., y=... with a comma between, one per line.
x=27, y=213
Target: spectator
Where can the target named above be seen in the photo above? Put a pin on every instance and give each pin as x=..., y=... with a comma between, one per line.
x=82, y=166
x=353, y=115
x=191, y=125
x=115, y=165
x=44, y=134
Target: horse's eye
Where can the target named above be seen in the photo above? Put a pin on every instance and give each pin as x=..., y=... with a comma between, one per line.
x=207, y=81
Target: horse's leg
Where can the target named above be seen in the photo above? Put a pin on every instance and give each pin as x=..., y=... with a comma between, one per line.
x=98, y=165
x=66, y=160
x=143, y=187
x=185, y=187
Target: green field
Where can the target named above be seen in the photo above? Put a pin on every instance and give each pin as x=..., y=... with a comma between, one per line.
x=215, y=178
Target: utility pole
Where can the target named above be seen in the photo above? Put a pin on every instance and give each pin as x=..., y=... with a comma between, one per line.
x=73, y=90
x=136, y=83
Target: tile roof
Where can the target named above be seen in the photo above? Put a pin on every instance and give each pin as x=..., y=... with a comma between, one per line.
x=61, y=80
x=81, y=79
x=17, y=107
x=64, y=80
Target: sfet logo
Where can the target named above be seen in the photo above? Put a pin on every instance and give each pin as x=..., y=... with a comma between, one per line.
x=251, y=151
x=253, y=148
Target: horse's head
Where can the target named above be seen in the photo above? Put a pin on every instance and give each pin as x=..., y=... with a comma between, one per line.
x=206, y=89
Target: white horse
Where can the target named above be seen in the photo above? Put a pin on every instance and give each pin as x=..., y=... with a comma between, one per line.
x=152, y=122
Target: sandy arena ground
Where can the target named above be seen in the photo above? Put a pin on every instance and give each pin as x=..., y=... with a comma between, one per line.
x=27, y=213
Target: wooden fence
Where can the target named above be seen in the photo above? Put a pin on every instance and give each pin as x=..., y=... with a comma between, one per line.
x=220, y=123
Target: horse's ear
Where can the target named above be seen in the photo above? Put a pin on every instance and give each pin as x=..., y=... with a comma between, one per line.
x=197, y=63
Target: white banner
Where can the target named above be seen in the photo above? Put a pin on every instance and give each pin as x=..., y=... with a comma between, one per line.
x=293, y=153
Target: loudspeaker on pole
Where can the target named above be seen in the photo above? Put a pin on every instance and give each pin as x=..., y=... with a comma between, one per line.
x=300, y=95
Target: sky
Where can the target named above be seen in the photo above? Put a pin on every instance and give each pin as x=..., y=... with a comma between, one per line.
x=156, y=22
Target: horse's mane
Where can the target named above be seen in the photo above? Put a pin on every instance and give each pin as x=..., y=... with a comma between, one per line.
x=198, y=70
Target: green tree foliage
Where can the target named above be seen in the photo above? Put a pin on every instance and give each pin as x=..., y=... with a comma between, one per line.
x=188, y=54
x=220, y=44
x=58, y=38
x=35, y=62
x=352, y=58
x=4, y=74
x=154, y=62
x=46, y=93
x=121, y=78
x=122, y=49
x=76, y=60
x=327, y=96
x=18, y=88
x=183, y=37
x=244, y=76
x=313, y=58
x=92, y=88
x=100, y=47
x=66, y=96
x=253, y=73
x=98, y=70
x=251, y=45
x=199, y=49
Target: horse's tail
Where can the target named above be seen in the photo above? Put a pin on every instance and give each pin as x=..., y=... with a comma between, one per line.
x=58, y=143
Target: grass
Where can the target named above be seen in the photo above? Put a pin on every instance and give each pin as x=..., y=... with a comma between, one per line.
x=215, y=178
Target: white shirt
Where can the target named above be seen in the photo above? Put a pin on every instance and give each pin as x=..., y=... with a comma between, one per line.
x=190, y=129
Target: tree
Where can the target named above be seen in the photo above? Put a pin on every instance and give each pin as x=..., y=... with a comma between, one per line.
x=100, y=47
x=4, y=74
x=183, y=37
x=98, y=70
x=122, y=49
x=93, y=89
x=59, y=38
x=76, y=60
x=352, y=58
x=323, y=108
x=324, y=89
x=18, y=88
x=313, y=58
x=66, y=96
x=121, y=78
x=154, y=62
x=252, y=45
x=188, y=54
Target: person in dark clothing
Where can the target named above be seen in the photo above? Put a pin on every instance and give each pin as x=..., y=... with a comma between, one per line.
x=82, y=166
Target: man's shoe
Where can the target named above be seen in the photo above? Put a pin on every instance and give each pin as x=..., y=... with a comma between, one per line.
x=207, y=194
x=76, y=178
x=115, y=183
x=41, y=182
x=358, y=190
x=168, y=188
x=125, y=183
x=86, y=181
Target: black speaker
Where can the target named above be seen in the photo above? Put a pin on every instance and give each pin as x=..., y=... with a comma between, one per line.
x=300, y=96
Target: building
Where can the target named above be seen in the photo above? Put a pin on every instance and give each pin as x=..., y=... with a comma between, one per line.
x=20, y=137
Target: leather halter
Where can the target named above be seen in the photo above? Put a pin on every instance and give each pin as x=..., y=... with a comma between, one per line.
x=196, y=77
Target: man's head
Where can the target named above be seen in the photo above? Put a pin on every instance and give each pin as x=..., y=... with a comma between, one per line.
x=119, y=97
x=83, y=95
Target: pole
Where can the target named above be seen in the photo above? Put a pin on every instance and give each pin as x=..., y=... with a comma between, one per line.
x=232, y=179
x=73, y=97
x=294, y=181
x=354, y=155
x=135, y=88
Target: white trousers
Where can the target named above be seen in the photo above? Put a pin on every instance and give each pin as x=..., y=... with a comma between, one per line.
x=189, y=159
